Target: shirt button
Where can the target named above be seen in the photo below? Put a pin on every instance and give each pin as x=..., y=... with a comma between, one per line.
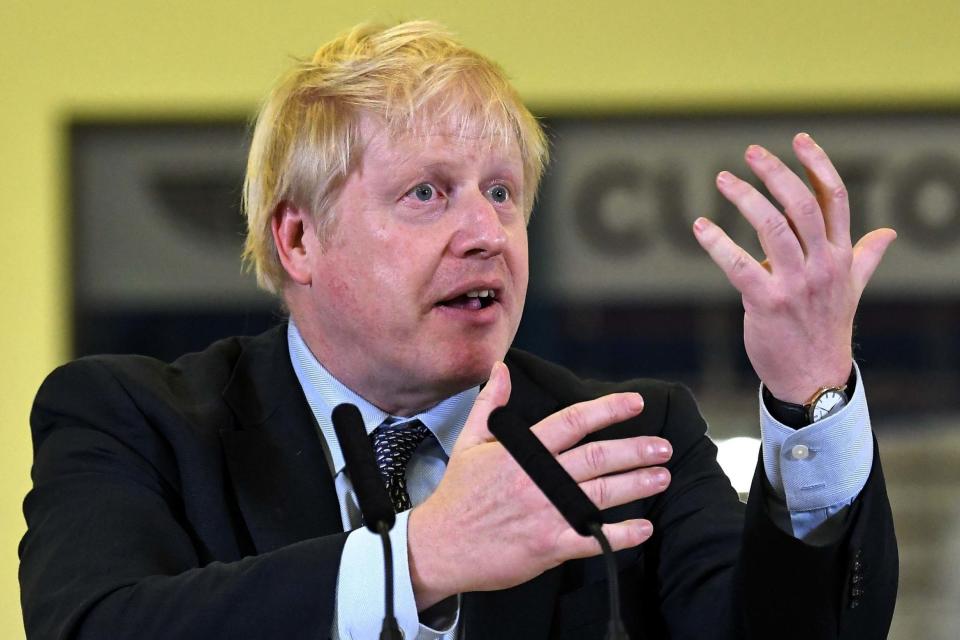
x=799, y=452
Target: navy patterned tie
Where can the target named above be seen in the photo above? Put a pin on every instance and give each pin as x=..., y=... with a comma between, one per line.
x=393, y=445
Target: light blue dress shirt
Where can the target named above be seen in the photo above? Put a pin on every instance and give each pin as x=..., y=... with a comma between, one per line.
x=359, y=606
x=816, y=472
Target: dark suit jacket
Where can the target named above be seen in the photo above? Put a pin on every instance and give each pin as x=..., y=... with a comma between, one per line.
x=193, y=500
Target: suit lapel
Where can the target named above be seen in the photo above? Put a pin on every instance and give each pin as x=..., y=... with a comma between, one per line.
x=275, y=456
x=525, y=611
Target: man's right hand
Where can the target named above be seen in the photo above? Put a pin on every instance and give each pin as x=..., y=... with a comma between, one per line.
x=488, y=527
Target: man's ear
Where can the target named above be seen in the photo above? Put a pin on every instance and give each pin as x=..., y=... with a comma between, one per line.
x=290, y=226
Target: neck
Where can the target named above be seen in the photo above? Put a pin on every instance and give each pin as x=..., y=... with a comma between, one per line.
x=398, y=395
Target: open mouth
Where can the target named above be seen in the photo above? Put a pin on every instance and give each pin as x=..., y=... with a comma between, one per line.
x=472, y=300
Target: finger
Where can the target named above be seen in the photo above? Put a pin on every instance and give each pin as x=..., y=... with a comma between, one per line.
x=621, y=535
x=829, y=187
x=778, y=239
x=621, y=488
x=493, y=395
x=596, y=459
x=799, y=204
x=867, y=254
x=569, y=426
x=741, y=269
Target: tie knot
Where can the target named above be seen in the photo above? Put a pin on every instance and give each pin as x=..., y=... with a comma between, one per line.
x=394, y=445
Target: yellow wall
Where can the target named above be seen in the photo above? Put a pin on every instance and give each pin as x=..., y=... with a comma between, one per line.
x=207, y=57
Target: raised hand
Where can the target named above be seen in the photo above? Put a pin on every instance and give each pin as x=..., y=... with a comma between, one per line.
x=800, y=302
x=487, y=526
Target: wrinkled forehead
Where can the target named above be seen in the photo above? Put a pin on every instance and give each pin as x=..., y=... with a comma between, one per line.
x=447, y=132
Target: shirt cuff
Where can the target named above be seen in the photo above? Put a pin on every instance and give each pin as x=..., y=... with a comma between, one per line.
x=824, y=464
x=359, y=608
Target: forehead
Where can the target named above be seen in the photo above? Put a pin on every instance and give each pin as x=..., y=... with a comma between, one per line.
x=426, y=140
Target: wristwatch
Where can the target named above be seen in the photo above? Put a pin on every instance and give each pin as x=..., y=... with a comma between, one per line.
x=825, y=402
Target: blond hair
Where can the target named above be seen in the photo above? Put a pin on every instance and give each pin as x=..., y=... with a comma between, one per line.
x=307, y=134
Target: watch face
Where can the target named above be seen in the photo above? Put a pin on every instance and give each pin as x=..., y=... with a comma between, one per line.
x=828, y=403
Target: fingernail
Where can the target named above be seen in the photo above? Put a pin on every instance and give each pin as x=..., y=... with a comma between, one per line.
x=724, y=177
x=659, y=450
x=661, y=477
x=807, y=140
x=700, y=224
x=635, y=401
x=756, y=152
x=645, y=528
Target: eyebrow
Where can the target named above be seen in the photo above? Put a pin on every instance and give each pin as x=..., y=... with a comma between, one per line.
x=507, y=168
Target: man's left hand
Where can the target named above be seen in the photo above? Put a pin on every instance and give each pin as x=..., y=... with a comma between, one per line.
x=799, y=304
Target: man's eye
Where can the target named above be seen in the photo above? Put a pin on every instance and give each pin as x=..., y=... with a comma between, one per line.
x=499, y=193
x=423, y=192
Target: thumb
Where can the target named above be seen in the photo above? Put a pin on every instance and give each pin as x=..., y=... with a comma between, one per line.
x=493, y=395
x=868, y=252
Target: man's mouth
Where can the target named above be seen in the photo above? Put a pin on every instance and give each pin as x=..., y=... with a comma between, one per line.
x=472, y=300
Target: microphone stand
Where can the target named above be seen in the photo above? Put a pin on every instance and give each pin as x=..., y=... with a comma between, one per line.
x=615, y=629
x=390, y=629
x=372, y=498
x=565, y=494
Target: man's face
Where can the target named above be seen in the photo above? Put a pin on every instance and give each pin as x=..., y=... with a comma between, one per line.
x=420, y=287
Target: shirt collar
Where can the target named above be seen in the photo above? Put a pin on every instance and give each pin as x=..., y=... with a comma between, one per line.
x=324, y=392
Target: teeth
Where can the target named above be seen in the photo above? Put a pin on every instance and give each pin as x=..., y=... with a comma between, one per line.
x=481, y=293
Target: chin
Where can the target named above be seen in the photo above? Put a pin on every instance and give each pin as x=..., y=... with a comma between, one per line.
x=470, y=367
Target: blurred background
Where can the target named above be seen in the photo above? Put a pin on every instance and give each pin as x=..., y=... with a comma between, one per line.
x=123, y=130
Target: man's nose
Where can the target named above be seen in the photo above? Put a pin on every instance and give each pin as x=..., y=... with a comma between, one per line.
x=480, y=231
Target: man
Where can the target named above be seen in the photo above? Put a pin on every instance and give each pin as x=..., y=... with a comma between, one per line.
x=388, y=188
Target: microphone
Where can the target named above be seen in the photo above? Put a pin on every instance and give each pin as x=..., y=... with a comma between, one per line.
x=565, y=494
x=362, y=466
x=538, y=463
x=375, y=505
